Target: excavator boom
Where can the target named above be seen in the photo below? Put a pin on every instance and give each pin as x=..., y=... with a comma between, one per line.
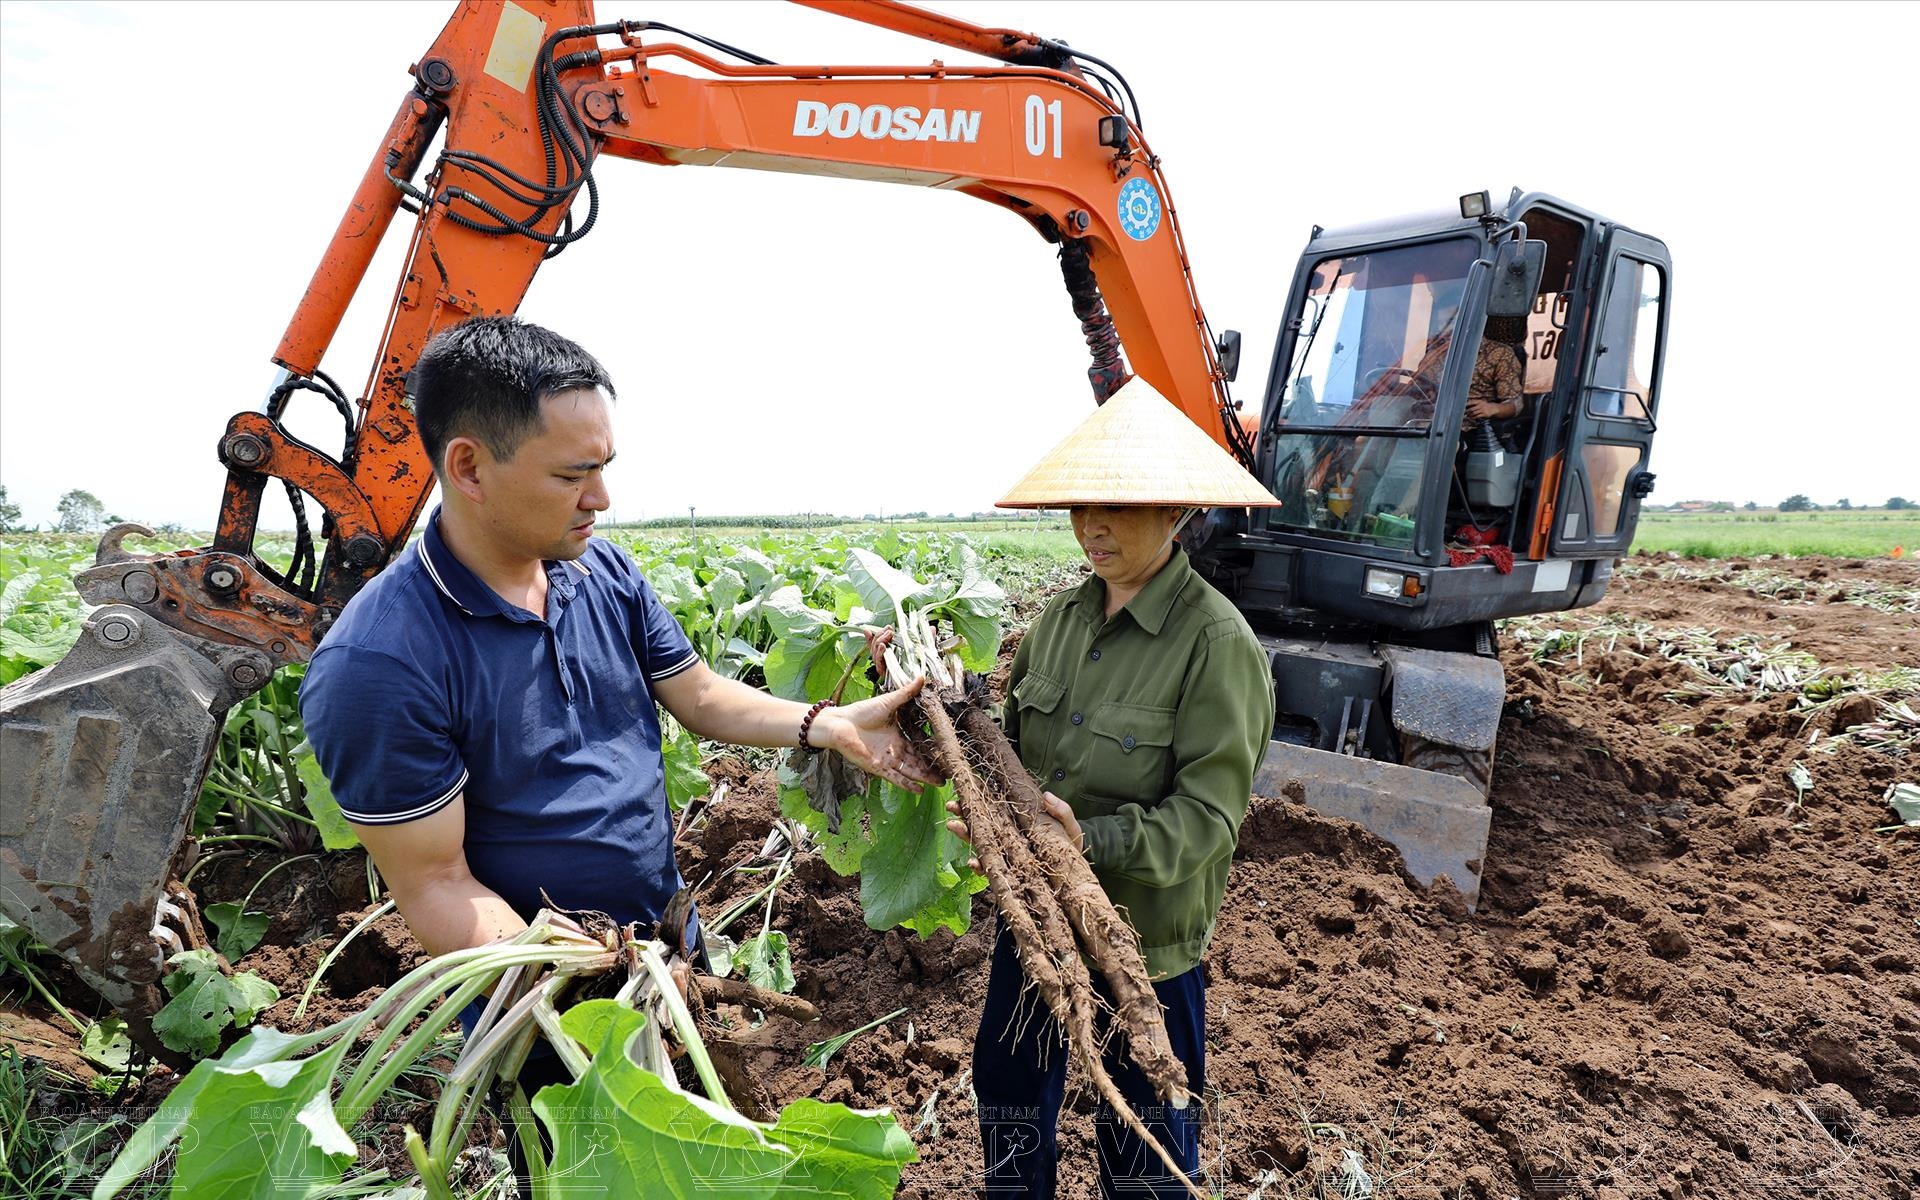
x=103, y=754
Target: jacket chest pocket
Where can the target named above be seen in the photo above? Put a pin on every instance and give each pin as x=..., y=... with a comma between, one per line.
x=1033, y=702
x=1132, y=754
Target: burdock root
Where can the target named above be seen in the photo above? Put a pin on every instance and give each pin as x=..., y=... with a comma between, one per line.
x=1055, y=911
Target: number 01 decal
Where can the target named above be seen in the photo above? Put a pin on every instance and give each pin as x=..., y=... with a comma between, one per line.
x=1042, y=119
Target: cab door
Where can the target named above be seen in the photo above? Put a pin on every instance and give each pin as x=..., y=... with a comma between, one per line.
x=1604, y=473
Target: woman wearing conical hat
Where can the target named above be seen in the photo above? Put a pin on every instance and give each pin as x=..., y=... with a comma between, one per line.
x=1142, y=702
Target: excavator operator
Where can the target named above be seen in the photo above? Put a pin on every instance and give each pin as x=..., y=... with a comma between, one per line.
x=1497, y=391
x=485, y=706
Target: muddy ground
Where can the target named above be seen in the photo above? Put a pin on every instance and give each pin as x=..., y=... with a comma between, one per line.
x=1680, y=982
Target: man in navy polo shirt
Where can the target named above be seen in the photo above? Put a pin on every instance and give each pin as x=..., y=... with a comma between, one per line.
x=484, y=708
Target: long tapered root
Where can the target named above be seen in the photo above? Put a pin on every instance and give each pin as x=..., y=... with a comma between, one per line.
x=1106, y=937
x=1056, y=912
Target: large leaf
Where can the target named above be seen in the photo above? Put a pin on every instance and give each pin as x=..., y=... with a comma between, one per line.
x=764, y=961
x=335, y=832
x=844, y=845
x=646, y=1138
x=880, y=585
x=676, y=586
x=980, y=637
x=799, y=670
x=685, y=780
x=239, y=931
x=14, y=594
x=206, y=1001
x=725, y=589
x=266, y=1132
x=790, y=616
x=908, y=876
x=756, y=568
x=263, y=1115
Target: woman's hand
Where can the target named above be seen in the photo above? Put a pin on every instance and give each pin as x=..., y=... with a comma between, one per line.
x=958, y=828
x=869, y=736
x=1482, y=409
x=1059, y=817
x=1063, y=819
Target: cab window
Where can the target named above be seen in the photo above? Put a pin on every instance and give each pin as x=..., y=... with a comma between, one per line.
x=1629, y=340
x=1374, y=330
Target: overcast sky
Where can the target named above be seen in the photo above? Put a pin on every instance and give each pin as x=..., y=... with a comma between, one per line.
x=170, y=173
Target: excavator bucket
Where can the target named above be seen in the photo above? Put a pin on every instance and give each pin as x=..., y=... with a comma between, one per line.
x=101, y=761
x=1438, y=822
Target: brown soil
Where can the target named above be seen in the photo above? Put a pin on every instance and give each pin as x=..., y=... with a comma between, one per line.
x=1677, y=984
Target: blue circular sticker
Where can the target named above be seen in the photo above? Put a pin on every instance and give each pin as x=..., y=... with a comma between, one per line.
x=1139, y=209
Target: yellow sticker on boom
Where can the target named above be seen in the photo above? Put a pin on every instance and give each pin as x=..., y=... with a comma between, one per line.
x=515, y=42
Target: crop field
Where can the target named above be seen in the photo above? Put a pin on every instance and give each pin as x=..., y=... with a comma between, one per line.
x=1840, y=533
x=1693, y=972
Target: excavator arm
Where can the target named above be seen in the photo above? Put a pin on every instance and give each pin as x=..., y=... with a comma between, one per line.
x=103, y=754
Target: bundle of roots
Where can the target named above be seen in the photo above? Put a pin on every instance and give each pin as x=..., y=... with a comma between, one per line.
x=1054, y=909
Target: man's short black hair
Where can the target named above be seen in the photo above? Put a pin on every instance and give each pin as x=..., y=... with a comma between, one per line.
x=485, y=379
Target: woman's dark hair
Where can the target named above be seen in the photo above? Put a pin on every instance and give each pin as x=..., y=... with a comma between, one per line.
x=485, y=379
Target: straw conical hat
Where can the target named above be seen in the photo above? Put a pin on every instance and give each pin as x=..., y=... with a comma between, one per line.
x=1137, y=448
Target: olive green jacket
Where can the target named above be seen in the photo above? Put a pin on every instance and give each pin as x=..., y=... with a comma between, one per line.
x=1150, y=725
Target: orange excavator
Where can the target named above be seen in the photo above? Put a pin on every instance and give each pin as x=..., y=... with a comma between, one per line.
x=1380, y=631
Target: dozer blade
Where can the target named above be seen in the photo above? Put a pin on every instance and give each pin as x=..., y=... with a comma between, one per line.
x=101, y=761
x=1438, y=822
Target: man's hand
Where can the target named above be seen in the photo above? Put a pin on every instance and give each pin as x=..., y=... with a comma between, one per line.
x=869, y=736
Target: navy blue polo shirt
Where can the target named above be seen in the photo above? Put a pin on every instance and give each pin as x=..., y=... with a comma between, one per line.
x=431, y=686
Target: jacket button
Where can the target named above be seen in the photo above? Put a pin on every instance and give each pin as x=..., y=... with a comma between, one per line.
x=1059, y=774
x=1095, y=656
x=1126, y=743
x=1077, y=718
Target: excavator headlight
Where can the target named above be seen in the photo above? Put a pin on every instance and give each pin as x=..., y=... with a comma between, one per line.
x=1474, y=205
x=1389, y=584
x=1113, y=132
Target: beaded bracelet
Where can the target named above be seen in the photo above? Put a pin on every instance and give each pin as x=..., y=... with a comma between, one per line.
x=806, y=725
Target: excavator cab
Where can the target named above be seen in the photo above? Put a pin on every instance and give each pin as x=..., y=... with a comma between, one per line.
x=1404, y=529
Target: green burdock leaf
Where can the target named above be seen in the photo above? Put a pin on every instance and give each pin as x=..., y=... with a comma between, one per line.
x=906, y=876
x=725, y=589
x=879, y=584
x=799, y=669
x=262, y=1126
x=335, y=832
x=239, y=931
x=624, y=1132
x=756, y=568
x=686, y=782
x=980, y=637
x=676, y=587
x=763, y=961
x=106, y=1044
x=790, y=616
x=843, y=847
x=38, y=636
x=205, y=1002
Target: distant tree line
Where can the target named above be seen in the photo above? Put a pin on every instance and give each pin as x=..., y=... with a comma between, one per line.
x=79, y=511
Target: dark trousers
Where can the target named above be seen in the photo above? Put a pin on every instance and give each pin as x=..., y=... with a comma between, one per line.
x=539, y=1070
x=1020, y=1077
